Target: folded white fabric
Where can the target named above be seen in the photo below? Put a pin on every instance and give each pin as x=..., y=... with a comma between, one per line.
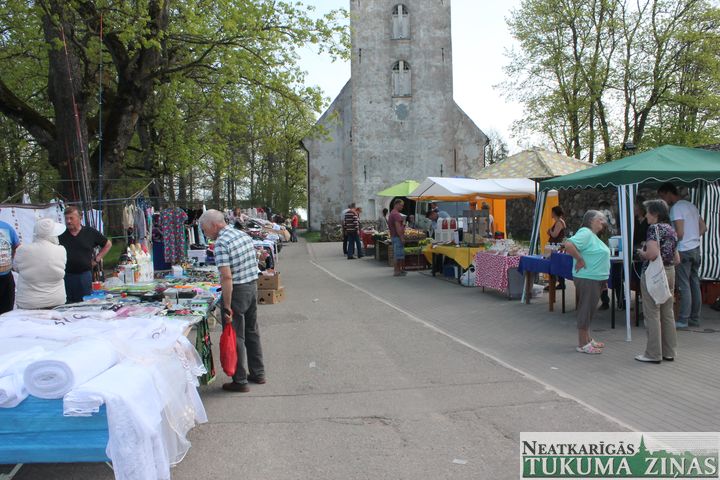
x=59, y=372
x=138, y=442
x=12, y=367
x=12, y=391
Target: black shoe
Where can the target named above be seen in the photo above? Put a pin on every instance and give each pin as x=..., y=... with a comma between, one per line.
x=669, y=359
x=236, y=387
x=259, y=379
x=351, y=258
x=604, y=306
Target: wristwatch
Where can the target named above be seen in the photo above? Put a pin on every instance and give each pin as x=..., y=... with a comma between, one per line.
x=227, y=311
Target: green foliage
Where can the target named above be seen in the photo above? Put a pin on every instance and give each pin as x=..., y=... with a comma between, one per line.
x=595, y=74
x=208, y=97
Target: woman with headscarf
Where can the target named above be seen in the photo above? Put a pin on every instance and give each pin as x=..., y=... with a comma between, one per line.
x=41, y=268
x=591, y=268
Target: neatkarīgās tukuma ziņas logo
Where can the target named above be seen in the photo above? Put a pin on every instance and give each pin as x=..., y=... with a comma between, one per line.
x=645, y=455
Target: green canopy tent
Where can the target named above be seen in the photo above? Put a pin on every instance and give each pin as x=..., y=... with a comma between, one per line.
x=401, y=189
x=689, y=166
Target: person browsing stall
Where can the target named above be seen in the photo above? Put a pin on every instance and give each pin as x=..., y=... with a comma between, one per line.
x=433, y=215
x=351, y=231
x=556, y=233
x=659, y=319
x=41, y=268
x=591, y=268
x=690, y=227
x=80, y=243
x=237, y=262
x=382, y=221
x=396, y=225
x=9, y=242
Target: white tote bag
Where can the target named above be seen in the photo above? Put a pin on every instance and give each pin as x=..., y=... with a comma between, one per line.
x=655, y=278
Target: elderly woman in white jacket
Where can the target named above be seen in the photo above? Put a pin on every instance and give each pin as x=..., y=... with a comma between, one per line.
x=41, y=268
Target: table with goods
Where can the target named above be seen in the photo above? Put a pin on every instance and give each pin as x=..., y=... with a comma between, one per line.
x=414, y=242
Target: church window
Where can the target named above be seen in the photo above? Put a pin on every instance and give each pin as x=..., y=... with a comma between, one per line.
x=400, y=22
x=401, y=79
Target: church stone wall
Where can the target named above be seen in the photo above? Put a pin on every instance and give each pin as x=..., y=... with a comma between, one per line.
x=392, y=137
x=329, y=163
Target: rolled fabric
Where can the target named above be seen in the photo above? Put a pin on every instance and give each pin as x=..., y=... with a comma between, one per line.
x=59, y=372
x=12, y=391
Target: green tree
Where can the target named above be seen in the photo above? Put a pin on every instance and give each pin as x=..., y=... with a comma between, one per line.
x=154, y=52
x=582, y=64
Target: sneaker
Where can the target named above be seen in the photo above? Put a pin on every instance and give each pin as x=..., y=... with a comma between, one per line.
x=643, y=358
x=693, y=324
x=597, y=344
x=681, y=326
x=589, y=349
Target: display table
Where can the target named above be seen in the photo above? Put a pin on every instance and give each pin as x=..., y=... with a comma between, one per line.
x=463, y=256
x=37, y=432
x=381, y=251
x=494, y=271
x=560, y=265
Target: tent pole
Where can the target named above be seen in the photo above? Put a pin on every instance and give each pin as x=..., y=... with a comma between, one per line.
x=626, y=212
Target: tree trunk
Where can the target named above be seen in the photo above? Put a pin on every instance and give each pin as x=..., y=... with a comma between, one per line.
x=68, y=153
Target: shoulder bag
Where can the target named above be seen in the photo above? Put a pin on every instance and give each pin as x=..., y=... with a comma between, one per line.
x=655, y=278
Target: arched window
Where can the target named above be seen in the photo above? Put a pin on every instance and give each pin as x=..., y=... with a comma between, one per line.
x=400, y=22
x=401, y=79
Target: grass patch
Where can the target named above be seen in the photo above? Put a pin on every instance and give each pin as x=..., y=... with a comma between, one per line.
x=311, y=237
x=110, y=260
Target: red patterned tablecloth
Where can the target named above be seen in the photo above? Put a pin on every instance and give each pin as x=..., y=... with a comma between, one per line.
x=491, y=270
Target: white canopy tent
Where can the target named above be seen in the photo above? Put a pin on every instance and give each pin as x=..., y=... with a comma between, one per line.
x=459, y=189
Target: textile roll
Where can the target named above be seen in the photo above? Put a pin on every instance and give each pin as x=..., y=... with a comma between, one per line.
x=62, y=370
x=11, y=391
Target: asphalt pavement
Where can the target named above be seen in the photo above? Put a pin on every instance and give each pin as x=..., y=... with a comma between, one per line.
x=373, y=376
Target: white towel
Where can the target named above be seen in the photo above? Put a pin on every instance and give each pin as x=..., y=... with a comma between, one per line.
x=59, y=372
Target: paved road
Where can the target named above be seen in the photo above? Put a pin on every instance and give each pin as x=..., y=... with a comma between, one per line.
x=372, y=377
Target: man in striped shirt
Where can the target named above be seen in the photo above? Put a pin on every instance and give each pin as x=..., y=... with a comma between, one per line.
x=237, y=262
x=351, y=230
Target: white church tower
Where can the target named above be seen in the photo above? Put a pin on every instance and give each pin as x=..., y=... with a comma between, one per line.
x=396, y=118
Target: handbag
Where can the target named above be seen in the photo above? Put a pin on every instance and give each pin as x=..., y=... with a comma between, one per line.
x=655, y=278
x=228, y=350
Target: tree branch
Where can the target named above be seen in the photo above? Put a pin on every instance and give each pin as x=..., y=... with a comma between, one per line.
x=42, y=129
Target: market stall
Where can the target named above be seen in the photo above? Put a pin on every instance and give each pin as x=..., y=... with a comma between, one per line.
x=89, y=383
x=454, y=242
x=498, y=272
x=696, y=168
x=536, y=164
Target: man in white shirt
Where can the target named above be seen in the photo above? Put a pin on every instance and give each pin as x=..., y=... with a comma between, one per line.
x=689, y=227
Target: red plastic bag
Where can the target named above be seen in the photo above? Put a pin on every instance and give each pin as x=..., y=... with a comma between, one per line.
x=228, y=350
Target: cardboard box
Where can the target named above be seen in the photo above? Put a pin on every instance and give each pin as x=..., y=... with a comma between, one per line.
x=270, y=297
x=269, y=282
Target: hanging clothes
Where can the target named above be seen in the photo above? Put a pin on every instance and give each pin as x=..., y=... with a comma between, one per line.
x=140, y=222
x=173, y=231
x=128, y=216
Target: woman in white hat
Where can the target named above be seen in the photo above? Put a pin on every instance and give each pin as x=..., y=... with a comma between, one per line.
x=41, y=268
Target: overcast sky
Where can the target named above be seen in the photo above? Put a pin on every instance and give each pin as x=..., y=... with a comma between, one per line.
x=480, y=37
